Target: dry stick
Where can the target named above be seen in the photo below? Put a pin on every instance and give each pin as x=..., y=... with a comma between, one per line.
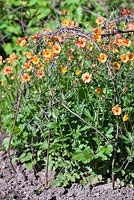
x=114, y=32
x=78, y=116
x=16, y=110
x=48, y=148
x=114, y=155
x=75, y=31
x=117, y=125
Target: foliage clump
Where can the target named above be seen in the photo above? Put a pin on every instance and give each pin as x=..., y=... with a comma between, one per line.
x=67, y=99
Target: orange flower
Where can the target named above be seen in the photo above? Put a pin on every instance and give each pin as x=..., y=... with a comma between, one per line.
x=23, y=43
x=26, y=77
x=102, y=57
x=115, y=50
x=75, y=81
x=124, y=58
x=131, y=56
x=125, y=12
x=40, y=66
x=40, y=73
x=77, y=72
x=12, y=58
x=99, y=20
x=2, y=82
x=86, y=77
x=13, y=78
x=57, y=38
x=116, y=110
x=1, y=59
x=81, y=42
x=65, y=22
x=126, y=42
x=98, y=90
x=34, y=37
x=118, y=42
x=98, y=31
x=64, y=12
x=56, y=48
x=35, y=60
x=97, y=37
x=48, y=30
x=64, y=69
x=131, y=26
x=116, y=66
x=125, y=117
x=71, y=23
x=28, y=66
x=8, y=70
x=47, y=53
x=28, y=54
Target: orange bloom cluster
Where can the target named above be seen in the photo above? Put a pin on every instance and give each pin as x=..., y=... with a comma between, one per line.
x=64, y=12
x=81, y=42
x=12, y=58
x=122, y=42
x=86, y=77
x=126, y=12
x=116, y=110
x=66, y=22
x=7, y=70
x=102, y=58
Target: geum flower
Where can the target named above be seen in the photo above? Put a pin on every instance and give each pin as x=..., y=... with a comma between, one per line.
x=116, y=66
x=98, y=90
x=47, y=53
x=125, y=117
x=99, y=20
x=116, y=110
x=35, y=60
x=7, y=70
x=124, y=58
x=26, y=77
x=102, y=57
x=56, y=48
x=40, y=73
x=86, y=77
x=64, y=69
x=81, y=42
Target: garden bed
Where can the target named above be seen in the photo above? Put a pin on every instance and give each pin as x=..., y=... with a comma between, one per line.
x=25, y=186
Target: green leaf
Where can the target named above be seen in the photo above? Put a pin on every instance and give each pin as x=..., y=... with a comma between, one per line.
x=51, y=125
x=7, y=48
x=85, y=156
